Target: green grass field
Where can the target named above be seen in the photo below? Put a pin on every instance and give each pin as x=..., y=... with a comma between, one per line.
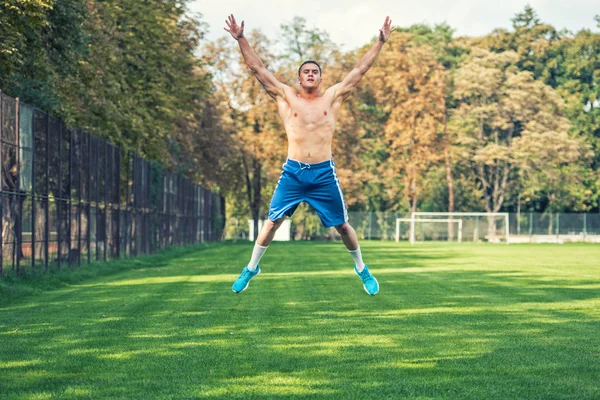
x=450, y=322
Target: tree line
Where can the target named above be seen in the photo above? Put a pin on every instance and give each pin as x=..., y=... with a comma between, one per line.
x=122, y=70
x=503, y=122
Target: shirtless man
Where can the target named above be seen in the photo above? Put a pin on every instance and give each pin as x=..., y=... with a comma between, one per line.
x=309, y=173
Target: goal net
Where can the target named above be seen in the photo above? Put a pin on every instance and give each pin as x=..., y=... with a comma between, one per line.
x=453, y=227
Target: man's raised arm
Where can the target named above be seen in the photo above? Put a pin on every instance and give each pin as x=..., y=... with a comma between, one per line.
x=270, y=83
x=343, y=89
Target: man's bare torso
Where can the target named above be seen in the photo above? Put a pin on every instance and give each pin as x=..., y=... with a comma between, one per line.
x=309, y=125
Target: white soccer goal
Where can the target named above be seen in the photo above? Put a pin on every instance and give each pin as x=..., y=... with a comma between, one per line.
x=463, y=226
x=413, y=222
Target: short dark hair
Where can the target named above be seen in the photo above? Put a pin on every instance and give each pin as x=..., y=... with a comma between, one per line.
x=310, y=62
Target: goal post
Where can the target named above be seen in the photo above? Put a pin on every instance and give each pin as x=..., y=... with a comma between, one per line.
x=472, y=226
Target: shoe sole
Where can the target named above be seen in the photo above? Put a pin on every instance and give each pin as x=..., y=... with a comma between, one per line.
x=246, y=287
x=364, y=287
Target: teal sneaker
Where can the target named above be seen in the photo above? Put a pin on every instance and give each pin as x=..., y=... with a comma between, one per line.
x=369, y=282
x=241, y=283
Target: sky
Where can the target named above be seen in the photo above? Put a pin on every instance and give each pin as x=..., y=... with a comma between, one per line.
x=353, y=23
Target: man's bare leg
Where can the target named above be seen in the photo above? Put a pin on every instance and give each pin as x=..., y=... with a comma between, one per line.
x=348, y=236
x=350, y=239
x=267, y=233
x=265, y=237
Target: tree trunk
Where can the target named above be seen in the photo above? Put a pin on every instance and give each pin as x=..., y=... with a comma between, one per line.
x=448, y=171
x=519, y=214
x=257, y=170
x=253, y=186
x=492, y=238
x=412, y=201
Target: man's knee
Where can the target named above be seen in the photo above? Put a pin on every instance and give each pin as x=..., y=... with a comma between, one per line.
x=273, y=225
x=344, y=229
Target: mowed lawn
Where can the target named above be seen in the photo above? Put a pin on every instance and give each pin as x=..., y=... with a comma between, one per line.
x=450, y=322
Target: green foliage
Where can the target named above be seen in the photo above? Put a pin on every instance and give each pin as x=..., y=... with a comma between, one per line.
x=508, y=123
x=571, y=65
x=123, y=70
x=441, y=39
x=45, y=42
x=578, y=81
x=17, y=19
x=302, y=43
x=526, y=19
x=141, y=78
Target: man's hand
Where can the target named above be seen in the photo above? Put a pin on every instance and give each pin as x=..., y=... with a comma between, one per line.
x=384, y=32
x=238, y=31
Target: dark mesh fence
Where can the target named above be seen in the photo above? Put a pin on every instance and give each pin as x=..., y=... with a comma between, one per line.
x=70, y=198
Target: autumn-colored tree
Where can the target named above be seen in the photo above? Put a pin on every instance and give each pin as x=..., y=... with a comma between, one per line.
x=408, y=83
x=251, y=118
x=449, y=53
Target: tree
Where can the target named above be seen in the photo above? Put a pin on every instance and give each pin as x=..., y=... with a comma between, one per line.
x=532, y=40
x=578, y=82
x=251, y=118
x=17, y=17
x=408, y=83
x=301, y=43
x=567, y=63
x=507, y=123
x=449, y=53
x=41, y=47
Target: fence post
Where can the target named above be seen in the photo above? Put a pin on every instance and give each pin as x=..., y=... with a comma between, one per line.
x=506, y=221
x=33, y=191
x=89, y=202
x=79, y=202
x=47, y=227
x=59, y=191
x=557, y=225
x=530, y=226
x=97, y=200
x=118, y=199
x=134, y=218
x=70, y=198
x=127, y=238
x=19, y=231
x=1, y=183
x=412, y=228
x=223, y=213
x=105, y=196
x=584, y=226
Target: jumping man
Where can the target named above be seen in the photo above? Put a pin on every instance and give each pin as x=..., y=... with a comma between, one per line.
x=309, y=173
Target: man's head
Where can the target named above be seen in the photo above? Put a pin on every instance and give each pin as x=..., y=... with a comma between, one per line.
x=309, y=74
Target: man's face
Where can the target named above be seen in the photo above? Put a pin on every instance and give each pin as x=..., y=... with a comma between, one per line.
x=310, y=77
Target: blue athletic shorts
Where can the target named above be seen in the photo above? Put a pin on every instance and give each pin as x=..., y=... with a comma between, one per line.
x=316, y=184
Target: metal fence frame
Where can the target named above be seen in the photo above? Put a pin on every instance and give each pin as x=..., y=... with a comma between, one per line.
x=69, y=197
x=381, y=225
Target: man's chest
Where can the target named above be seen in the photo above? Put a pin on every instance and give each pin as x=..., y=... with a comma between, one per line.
x=315, y=113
